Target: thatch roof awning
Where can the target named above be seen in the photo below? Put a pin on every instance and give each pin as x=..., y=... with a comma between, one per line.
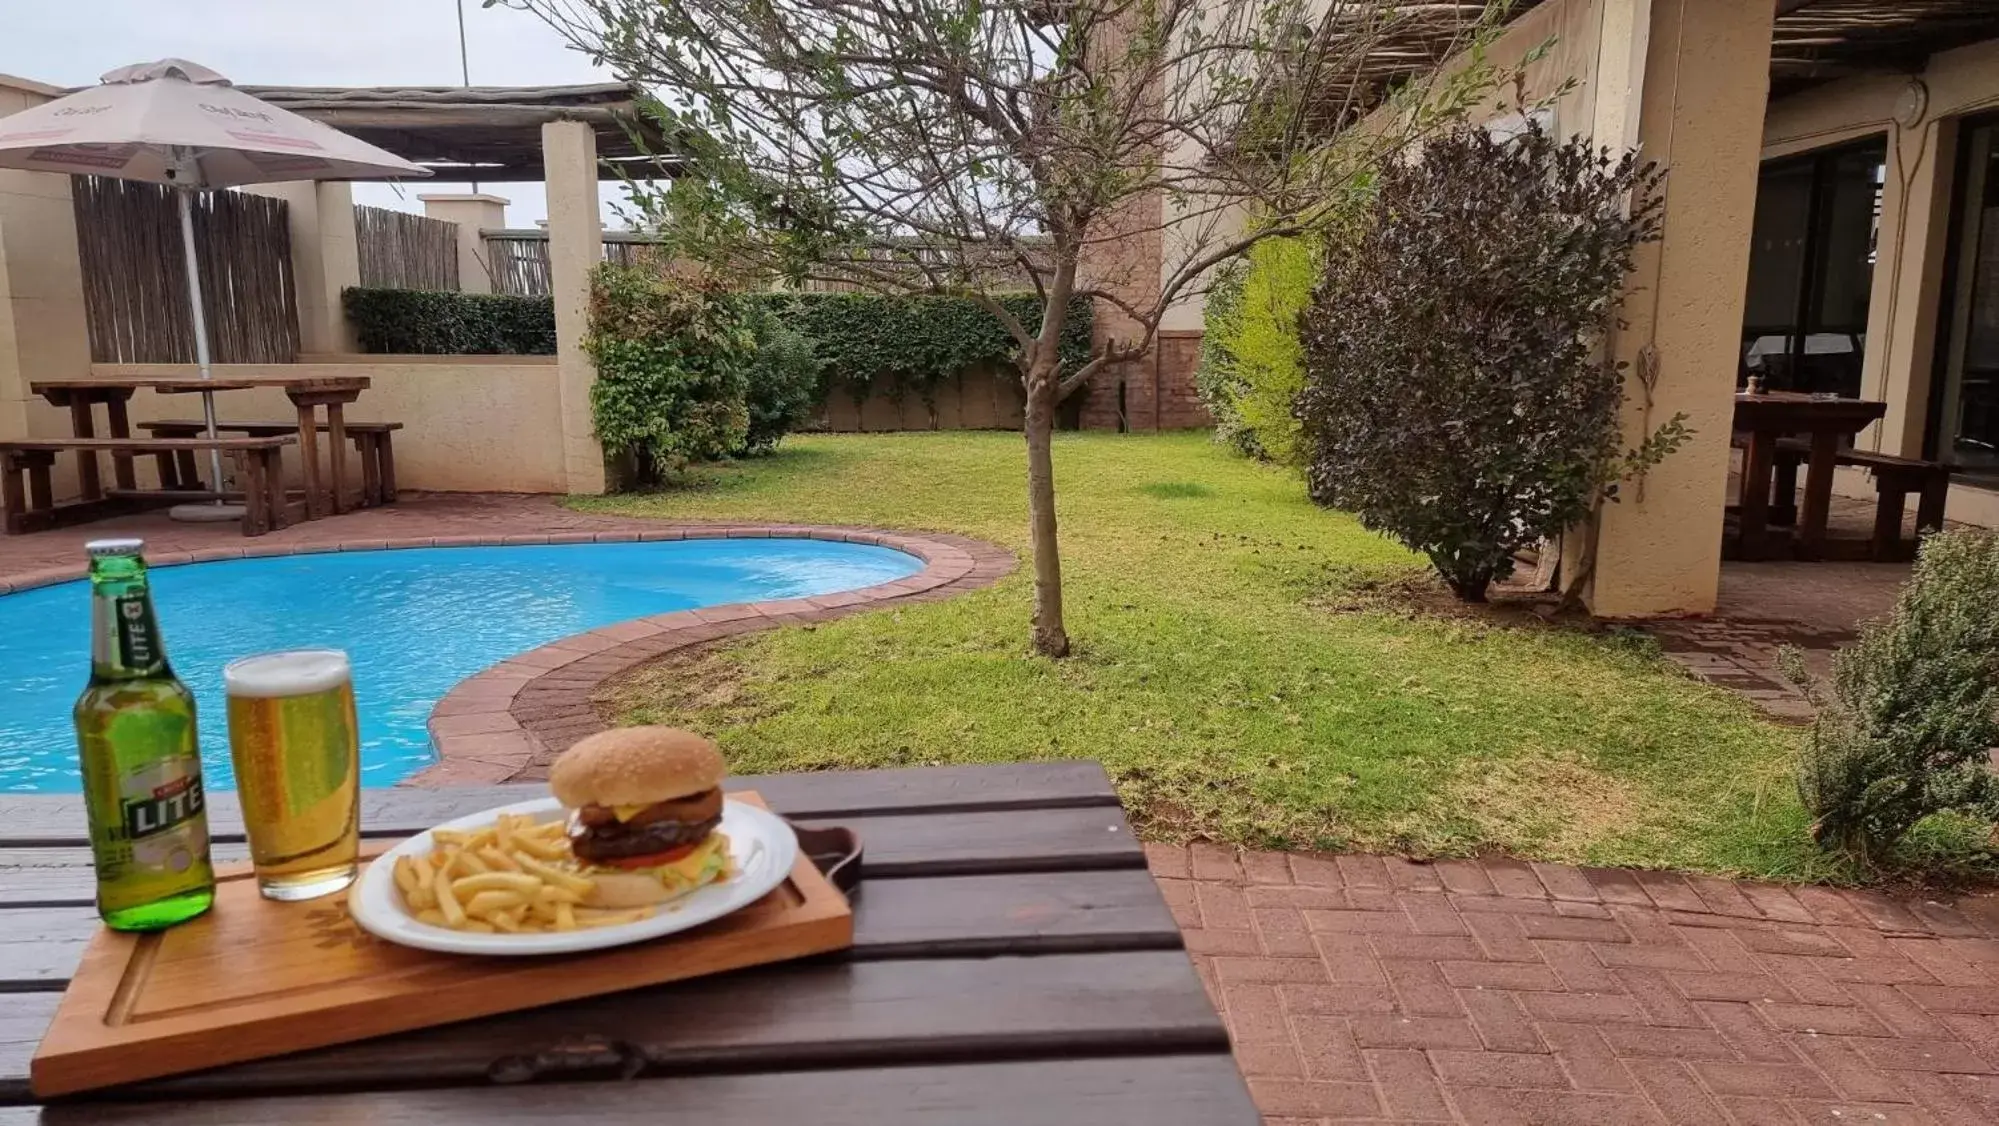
x=1820, y=40
x=1812, y=41
x=491, y=134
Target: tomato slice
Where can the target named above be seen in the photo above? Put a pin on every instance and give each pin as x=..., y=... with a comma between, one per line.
x=650, y=859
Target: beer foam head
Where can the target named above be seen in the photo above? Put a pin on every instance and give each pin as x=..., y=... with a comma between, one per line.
x=297, y=672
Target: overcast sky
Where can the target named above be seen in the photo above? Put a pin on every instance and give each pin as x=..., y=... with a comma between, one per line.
x=300, y=43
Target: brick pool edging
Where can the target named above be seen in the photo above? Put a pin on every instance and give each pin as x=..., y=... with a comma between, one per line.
x=497, y=723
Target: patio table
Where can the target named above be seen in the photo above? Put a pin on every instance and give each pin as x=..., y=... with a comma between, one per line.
x=1013, y=964
x=308, y=394
x=1772, y=415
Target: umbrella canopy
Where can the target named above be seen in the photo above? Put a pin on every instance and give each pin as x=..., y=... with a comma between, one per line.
x=177, y=122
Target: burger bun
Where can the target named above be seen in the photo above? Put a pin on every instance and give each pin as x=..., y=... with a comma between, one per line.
x=635, y=766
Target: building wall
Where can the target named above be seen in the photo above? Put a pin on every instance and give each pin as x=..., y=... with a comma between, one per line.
x=470, y=423
x=43, y=331
x=1903, y=317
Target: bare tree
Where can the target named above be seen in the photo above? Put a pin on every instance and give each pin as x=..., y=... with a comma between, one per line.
x=961, y=146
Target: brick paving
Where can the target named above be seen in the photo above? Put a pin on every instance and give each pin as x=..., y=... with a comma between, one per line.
x=1375, y=989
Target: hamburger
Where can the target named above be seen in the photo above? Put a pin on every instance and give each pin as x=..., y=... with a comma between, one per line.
x=644, y=806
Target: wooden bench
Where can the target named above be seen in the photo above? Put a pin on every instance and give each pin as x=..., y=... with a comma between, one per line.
x=371, y=441
x=27, y=495
x=1894, y=479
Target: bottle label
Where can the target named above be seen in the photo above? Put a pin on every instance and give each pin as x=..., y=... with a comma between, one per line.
x=163, y=809
x=138, y=639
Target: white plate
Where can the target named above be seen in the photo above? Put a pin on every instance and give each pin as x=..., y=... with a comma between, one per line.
x=760, y=842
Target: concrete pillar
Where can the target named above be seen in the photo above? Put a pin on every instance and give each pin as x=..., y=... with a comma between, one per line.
x=326, y=259
x=474, y=213
x=44, y=333
x=1696, y=72
x=1906, y=301
x=575, y=247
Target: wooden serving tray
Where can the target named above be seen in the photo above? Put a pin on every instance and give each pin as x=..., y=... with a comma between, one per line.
x=255, y=978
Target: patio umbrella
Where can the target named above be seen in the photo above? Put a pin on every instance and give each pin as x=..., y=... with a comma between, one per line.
x=180, y=123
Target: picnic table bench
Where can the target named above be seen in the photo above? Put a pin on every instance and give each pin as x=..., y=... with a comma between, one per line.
x=312, y=396
x=1895, y=478
x=372, y=441
x=27, y=494
x=1014, y=965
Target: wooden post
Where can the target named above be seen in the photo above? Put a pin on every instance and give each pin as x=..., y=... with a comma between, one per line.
x=388, y=458
x=256, y=493
x=121, y=427
x=1930, y=509
x=13, y=498
x=308, y=448
x=336, y=452
x=367, y=444
x=1818, y=494
x=1889, y=502
x=86, y=462
x=1756, y=470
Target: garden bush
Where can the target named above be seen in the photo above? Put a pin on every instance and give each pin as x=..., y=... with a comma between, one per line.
x=1905, y=727
x=904, y=345
x=783, y=380
x=1258, y=351
x=446, y=323
x=1455, y=394
x=675, y=357
x=1215, y=377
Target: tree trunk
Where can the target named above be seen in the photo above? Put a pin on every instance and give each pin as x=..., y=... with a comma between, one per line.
x=1050, y=638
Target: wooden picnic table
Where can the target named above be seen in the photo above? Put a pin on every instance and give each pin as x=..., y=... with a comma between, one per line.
x=1764, y=419
x=1013, y=964
x=309, y=394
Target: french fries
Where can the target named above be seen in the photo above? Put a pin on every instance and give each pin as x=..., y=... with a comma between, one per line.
x=512, y=877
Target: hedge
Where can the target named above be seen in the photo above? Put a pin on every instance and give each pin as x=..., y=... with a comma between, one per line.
x=912, y=344
x=865, y=342
x=446, y=323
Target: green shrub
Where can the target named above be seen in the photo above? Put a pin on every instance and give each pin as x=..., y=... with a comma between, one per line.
x=1913, y=708
x=674, y=362
x=783, y=380
x=1456, y=395
x=445, y=323
x=909, y=344
x=1215, y=378
x=1269, y=356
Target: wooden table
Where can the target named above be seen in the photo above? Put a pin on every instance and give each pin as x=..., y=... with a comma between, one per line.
x=308, y=394
x=1014, y=964
x=1772, y=415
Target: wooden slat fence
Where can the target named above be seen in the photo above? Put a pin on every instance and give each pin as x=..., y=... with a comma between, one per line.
x=135, y=277
x=403, y=251
x=518, y=260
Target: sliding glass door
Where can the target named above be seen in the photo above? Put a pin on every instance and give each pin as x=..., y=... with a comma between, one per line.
x=1967, y=423
x=1811, y=269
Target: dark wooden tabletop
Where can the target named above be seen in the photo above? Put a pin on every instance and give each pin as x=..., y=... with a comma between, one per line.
x=1794, y=412
x=194, y=385
x=1013, y=964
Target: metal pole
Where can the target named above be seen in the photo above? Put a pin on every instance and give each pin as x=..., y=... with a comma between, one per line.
x=464, y=65
x=186, y=197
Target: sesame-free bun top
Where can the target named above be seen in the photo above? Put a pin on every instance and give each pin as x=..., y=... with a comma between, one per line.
x=635, y=766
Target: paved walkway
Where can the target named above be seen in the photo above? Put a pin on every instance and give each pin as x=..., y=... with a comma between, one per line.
x=1371, y=989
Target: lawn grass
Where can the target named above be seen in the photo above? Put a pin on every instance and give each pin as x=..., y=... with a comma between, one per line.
x=1222, y=673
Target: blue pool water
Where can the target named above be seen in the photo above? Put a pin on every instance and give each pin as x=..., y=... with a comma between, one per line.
x=416, y=622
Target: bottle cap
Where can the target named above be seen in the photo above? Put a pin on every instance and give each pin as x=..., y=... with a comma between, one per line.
x=125, y=546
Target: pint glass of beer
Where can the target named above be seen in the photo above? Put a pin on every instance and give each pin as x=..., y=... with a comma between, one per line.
x=293, y=736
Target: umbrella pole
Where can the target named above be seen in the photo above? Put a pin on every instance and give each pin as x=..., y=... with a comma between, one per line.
x=185, y=198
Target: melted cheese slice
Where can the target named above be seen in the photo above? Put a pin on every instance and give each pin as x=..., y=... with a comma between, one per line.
x=627, y=812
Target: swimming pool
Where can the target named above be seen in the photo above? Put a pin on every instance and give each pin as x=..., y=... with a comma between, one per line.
x=415, y=621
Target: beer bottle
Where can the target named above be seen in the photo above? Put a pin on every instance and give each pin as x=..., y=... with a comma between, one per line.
x=141, y=759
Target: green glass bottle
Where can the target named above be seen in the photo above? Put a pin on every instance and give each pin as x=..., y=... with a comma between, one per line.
x=141, y=758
